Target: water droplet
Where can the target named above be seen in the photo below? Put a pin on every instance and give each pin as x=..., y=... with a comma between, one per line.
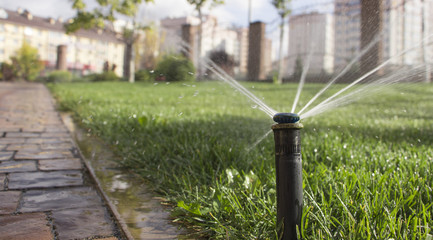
x=345, y=146
x=315, y=150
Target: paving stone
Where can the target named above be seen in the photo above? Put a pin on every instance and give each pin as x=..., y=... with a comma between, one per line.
x=37, y=129
x=60, y=164
x=82, y=223
x=2, y=181
x=22, y=134
x=59, y=199
x=25, y=226
x=57, y=146
x=2, y=146
x=44, y=179
x=5, y=156
x=54, y=135
x=48, y=140
x=17, y=166
x=9, y=201
x=12, y=140
x=48, y=154
x=60, y=129
x=23, y=147
x=9, y=129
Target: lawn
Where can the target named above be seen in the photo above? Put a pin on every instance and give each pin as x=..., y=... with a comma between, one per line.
x=367, y=166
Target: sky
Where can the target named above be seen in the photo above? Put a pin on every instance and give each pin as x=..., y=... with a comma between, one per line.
x=233, y=12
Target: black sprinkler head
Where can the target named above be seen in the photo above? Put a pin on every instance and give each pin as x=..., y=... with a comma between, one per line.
x=286, y=117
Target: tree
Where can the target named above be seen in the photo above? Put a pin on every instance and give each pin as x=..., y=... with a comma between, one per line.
x=297, y=71
x=283, y=9
x=106, y=11
x=26, y=64
x=198, y=5
x=147, y=48
x=6, y=71
x=223, y=60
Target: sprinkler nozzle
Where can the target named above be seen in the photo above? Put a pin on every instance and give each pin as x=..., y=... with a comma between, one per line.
x=286, y=117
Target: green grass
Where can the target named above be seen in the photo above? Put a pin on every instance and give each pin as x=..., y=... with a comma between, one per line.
x=367, y=166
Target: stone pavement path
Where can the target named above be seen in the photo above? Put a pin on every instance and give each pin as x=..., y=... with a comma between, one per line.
x=45, y=191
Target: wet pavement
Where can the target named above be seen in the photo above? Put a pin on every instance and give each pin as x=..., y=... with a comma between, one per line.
x=140, y=212
x=45, y=189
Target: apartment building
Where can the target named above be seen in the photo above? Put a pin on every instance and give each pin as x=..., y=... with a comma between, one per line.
x=405, y=23
x=87, y=50
x=214, y=37
x=311, y=34
x=347, y=31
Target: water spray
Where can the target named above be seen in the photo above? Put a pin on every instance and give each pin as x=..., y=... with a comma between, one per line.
x=288, y=166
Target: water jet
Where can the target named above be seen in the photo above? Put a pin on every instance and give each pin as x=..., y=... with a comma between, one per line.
x=288, y=166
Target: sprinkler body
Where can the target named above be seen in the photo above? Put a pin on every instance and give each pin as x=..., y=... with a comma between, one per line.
x=288, y=165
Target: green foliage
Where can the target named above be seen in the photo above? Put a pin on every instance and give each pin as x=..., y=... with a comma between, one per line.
x=25, y=63
x=198, y=4
x=283, y=7
x=367, y=166
x=60, y=76
x=175, y=68
x=143, y=75
x=107, y=10
x=108, y=76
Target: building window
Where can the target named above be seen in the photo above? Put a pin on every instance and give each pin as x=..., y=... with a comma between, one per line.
x=28, y=31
